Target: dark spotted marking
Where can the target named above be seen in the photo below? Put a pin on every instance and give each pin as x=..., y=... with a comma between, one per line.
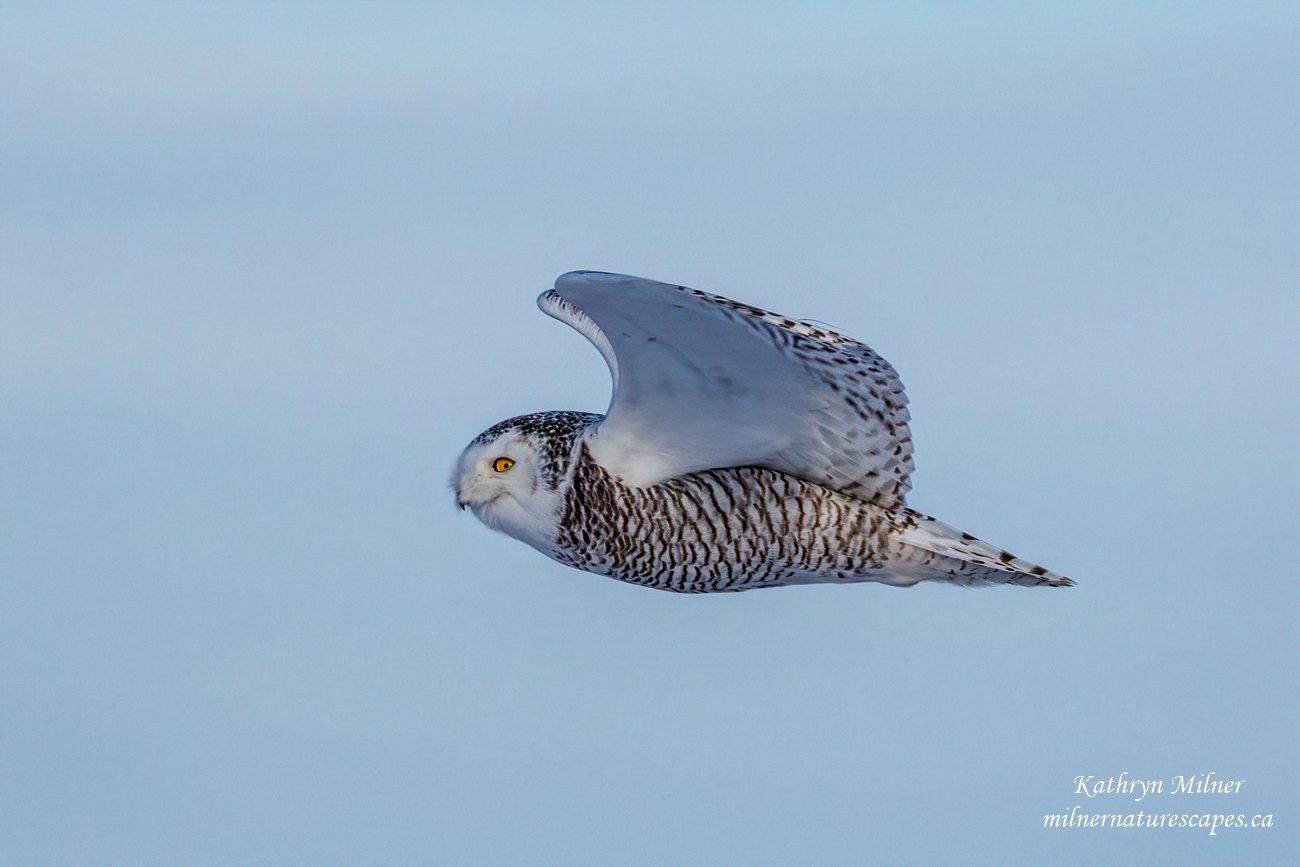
x=551, y=433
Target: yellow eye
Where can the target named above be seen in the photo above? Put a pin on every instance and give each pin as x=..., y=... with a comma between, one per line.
x=500, y=465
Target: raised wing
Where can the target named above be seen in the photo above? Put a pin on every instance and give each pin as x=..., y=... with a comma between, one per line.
x=703, y=382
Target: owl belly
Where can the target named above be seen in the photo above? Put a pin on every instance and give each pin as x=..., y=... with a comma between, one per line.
x=720, y=530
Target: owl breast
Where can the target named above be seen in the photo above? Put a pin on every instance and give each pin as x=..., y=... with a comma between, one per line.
x=726, y=529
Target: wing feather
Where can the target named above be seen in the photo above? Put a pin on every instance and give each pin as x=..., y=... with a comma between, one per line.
x=703, y=382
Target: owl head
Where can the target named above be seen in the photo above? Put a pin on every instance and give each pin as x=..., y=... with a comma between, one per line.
x=512, y=475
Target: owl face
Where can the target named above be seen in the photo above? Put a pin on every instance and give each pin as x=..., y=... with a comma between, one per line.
x=507, y=466
x=500, y=477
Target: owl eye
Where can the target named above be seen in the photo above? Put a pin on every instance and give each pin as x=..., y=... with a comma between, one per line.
x=500, y=465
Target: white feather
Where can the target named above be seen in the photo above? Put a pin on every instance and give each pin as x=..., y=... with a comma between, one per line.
x=702, y=382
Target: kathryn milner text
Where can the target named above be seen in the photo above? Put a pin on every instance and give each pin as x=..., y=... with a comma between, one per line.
x=1196, y=784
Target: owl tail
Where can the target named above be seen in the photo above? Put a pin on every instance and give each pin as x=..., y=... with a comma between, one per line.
x=932, y=550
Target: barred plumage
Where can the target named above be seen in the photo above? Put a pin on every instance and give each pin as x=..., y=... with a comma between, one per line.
x=742, y=449
x=726, y=529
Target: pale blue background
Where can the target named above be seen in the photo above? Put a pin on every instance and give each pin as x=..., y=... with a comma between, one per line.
x=267, y=268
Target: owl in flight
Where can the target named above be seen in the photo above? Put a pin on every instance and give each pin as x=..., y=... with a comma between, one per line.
x=741, y=449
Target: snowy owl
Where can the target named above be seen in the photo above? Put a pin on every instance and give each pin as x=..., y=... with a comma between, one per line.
x=741, y=449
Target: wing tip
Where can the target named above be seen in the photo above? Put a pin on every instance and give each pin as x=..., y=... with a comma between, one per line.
x=555, y=305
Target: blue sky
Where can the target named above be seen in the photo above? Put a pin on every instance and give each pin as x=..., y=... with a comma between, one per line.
x=266, y=268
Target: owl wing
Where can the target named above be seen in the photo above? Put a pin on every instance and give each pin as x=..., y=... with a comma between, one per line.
x=704, y=382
